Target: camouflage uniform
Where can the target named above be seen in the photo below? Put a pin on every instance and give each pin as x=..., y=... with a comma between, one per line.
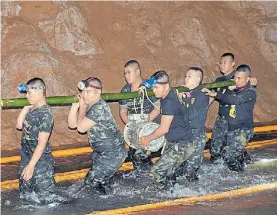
x=219, y=136
x=240, y=125
x=109, y=150
x=42, y=182
x=234, y=151
x=179, y=146
x=175, y=154
x=138, y=157
x=196, y=105
x=220, y=129
x=193, y=163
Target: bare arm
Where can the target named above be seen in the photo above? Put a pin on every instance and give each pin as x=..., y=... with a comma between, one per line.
x=211, y=100
x=77, y=118
x=42, y=141
x=72, y=116
x=21, y=117
x=77, y=114
x=123, y=113
x=84, y=124
x=155, y=112
x=161, y=130
x=28, y=171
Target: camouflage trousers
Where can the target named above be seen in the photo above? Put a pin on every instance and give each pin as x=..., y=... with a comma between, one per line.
x=190, y=167
x=234, y=151
x=139, y=158
x=42, y=182
x=104, y=165
x=219, y=136
x=174, y=155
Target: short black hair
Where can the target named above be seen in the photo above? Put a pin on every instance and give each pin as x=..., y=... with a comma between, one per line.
x=95, y=81
x=161, y=75
x=132, y=63
x=37, y=82
x=197, y=69
x=244, y=68
x=229, y=54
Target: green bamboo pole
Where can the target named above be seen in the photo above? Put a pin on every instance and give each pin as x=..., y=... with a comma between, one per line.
x=109, y=97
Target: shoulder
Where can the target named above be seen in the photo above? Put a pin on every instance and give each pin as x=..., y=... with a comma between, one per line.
x=171, y=98
x=200, y=94
x=126, y=88
x=101, y=105
x=251, y=90
x=45, y=110
x=218, y=79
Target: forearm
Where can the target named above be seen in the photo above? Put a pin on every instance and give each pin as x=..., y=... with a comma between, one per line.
x=20, y=120
x=160, y=131
x=37, y=153
x=72, y=117
x=82, y=114
x=124, y=117
x=154, y=114
x=211, y=100
x=21, y=117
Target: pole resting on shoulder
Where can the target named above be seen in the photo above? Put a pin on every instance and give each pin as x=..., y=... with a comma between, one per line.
x=109, y=97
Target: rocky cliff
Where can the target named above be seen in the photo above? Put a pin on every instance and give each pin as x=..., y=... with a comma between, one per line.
x=63, y=42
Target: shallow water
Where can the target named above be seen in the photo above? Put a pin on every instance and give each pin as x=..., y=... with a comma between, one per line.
x=9, y=171
x=129, y=191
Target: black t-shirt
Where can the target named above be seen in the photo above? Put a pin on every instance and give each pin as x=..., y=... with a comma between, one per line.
x=37, y=120
x=171, y=106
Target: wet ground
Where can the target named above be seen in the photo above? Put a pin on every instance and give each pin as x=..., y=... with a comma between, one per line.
x=129, y=191
x=9, y=171
x=264, y=203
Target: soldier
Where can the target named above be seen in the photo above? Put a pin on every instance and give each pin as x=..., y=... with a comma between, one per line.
x=130, y=111
x=219, y=133
x=175, y=129
x=240, y=123
x=196, y=105
x=36, y=170
x=93, y=115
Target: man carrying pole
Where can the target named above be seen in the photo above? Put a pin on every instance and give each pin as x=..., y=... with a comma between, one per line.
x=93, y=115
x=175, y=129
x=134, y=111
x=36, y=170
x=240, y=123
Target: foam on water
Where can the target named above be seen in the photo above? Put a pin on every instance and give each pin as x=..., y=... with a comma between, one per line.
x=131, y=190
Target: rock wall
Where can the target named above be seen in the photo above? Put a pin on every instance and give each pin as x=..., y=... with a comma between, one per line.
x=63, y=42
